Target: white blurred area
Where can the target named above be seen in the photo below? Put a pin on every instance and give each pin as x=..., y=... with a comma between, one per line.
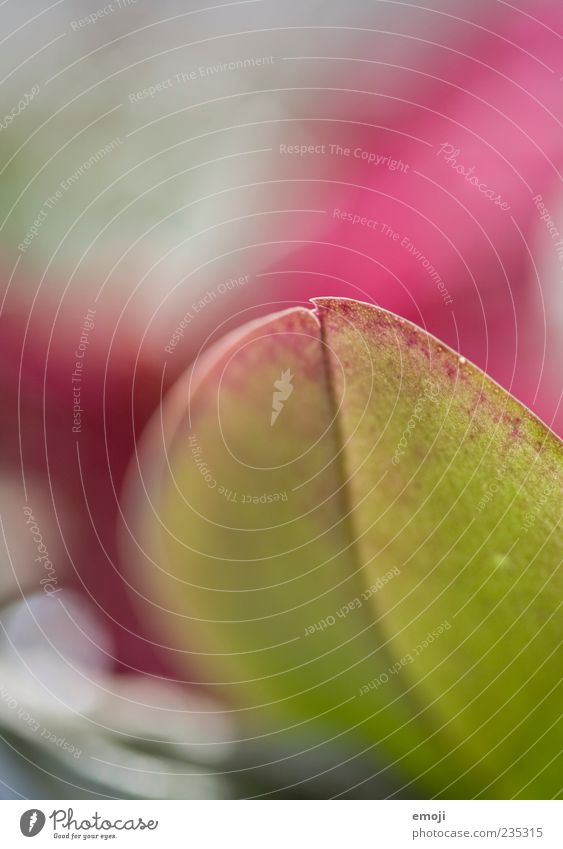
x=131, y=734
x=55, y=656
x=167, y=214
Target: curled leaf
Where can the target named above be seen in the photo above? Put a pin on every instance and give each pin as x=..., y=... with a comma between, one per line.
x=351, y=531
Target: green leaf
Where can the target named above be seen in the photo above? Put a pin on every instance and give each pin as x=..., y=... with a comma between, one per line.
x=351, y=532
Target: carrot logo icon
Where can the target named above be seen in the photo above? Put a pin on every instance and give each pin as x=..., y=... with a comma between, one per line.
x=32, y=822
x=283, y=388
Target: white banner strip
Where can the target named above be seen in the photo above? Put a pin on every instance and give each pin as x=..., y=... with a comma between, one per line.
x=284, y=824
